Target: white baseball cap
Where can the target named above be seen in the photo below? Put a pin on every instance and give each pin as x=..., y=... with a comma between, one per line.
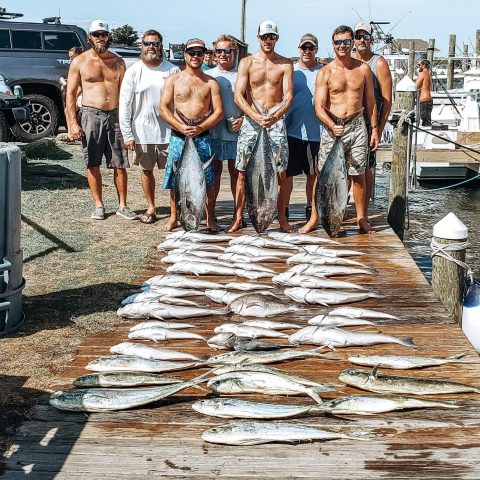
x=99, y=26
x=267, y=26
x=363, y=26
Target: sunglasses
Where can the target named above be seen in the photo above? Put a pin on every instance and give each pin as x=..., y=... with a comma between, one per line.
x=152, y=44
x=347, y=42
x=99, y=34
x=269, y=36
x=195, y=53
x=365, y=36
x=208, y=52
x=226, y=51
x=310, y=48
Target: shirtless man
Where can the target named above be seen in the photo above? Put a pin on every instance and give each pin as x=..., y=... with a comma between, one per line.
x=424, y=84
x=99, y=73
x=341, y=90
x=191, y=95
x=266, y=77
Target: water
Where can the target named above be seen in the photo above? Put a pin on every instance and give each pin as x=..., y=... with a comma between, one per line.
x=426, y=208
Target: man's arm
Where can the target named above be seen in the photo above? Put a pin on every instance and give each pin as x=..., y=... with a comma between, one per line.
x=385, y=81
x=73, y=83
x=419, y=81
x=217, y=106
x=127, y=92
x=241, y=86
x=371, y=104
x=166, y=104
x=287, y=85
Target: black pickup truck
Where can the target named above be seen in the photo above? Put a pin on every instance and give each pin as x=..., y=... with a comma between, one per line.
x=13, y=110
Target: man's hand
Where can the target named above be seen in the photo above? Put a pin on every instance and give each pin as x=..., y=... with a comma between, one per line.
x=192, y=132
x=75, y=133
x=338, y=130
x=374, y=140
x=236, y=124
x=268, y=121
x=130, y=144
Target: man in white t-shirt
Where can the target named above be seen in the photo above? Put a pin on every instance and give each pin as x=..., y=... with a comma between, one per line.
x=143, y=130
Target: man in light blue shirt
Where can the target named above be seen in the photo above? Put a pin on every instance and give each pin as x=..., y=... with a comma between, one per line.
x=303, y=126
x=224, y=135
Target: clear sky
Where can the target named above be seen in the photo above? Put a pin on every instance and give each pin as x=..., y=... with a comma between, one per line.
x=179, y=20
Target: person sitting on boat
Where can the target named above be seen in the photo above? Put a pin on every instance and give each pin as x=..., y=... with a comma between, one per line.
x=424, y=85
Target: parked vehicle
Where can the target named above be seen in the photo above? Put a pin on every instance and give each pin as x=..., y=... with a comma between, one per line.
x=12, y=110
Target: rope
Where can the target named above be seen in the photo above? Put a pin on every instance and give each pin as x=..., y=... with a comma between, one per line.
x=441, y=250
x=454, y=185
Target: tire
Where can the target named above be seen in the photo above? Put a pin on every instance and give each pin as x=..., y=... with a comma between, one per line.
x=4, y=129
x=43, y=121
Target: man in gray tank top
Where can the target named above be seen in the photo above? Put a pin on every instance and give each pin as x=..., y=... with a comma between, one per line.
x=382, y=86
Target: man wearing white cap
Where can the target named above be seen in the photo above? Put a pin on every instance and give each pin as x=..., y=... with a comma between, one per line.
x=99, y=73
x=382, y=88
x=265, y=79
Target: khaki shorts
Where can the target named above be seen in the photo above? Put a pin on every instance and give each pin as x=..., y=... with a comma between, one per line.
x=277, y=134
x=147, y=155
x=355, y=143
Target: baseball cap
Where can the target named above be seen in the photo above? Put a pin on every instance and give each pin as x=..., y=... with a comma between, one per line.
x=195, y=42
x=99, y=26
x=308, y=38
x=267, y=26
x=363, y=26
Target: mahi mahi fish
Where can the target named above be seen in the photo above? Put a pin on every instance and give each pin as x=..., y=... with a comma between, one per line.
x=331, y=196
x=255, y=433
x=110, y=399
x=190, y=186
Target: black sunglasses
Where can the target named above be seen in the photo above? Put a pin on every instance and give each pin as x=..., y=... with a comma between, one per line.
x=195, y=53
x=99, y=34
x=269, y=36
x=347, y=42
x=311, y=48
x=152, y=44
x=365, y=36
x=226, y=51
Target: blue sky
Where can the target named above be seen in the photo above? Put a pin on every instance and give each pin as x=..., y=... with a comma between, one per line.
x=179, y=20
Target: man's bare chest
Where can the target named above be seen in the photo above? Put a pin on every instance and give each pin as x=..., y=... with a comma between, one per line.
x=346, y=83
x=98, y=72
x=265, y=76
x=191, y=91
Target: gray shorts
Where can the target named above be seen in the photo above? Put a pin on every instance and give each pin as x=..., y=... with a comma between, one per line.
x=355, y=143
x=147, y=155
x=249, y=131
x=102, y=136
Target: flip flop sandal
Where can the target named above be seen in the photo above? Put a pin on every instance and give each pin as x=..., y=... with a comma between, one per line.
x=148, y=218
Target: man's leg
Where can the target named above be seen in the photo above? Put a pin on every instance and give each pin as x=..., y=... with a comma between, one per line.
x=282, y=201
x=369, y=179
x=239, y=203
x=148, y=185
x=309, y=188
x=313, y=221
x=210, y=208
x=120, y=178
x=359, y=192
x=233, y=179
x=218, y=176
x=94, y=179
x=172, y=221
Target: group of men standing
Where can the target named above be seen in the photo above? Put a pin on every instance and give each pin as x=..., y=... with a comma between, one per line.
x=152, y=108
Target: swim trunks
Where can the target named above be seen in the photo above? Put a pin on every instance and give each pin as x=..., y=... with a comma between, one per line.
x=302, y=156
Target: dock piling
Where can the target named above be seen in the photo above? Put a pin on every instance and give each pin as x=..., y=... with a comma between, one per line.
x=451, y=61
x=449, y=243
x=431, y=50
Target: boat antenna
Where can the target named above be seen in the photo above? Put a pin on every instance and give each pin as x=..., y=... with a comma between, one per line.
x=358, y=15
x=408, y=13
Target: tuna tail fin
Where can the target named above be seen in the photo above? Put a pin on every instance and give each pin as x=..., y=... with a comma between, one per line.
x=314, y=394
x=408, y=342
x=208, y=162
x=373, y=375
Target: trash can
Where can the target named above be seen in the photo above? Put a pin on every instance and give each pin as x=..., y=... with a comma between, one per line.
x=11, y=256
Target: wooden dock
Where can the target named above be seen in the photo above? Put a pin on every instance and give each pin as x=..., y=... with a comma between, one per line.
x=164, y=439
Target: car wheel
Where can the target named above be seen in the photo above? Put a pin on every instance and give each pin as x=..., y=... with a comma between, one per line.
x=43, y=120
x=4, y=129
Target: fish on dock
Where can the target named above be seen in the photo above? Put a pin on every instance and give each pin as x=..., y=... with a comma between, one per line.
x=163, y=311
x=153, y=353
x=323, y=320
x=327, y=270
x=161, y=324
x=300, y=238
x=158, y=334
x=132, y=363
x=356, y=312
x=315, y=259
x=311, y=281
x=266, y=242
x=179, y=281
x=203, y=268
x=245, y=286
x=249, y=331
x=200, y=237
x=327, y=297
x=254, y=251
x=254, y=305
x=174, y=243
x=226, y=297
x=124, y=379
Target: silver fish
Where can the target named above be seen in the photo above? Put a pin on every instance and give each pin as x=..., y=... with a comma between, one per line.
x=200, y=237
x=256, y=433
x=373, y=404
x=186, y=257
x=161, y=324
x=317, y=250
x=312, y=259
x=329, y=270
x=248, y=358
x=253, y=345
x=253, y=267
x=406, y=362
x=248, y=331
x=222, y=341
x=373, y=382
x=152, y=353
x=331, y=195
x=200, y=268
x=233, y=408
x=225, y=297
x=174, y=243
x=300, y=238
x=110, y=399
x=354, y=312
x=161, y=292
x=195, y=253
x=243, y=258
x=150, y=296
x=132, y=363
x=124, y=379
x=323, y=320
x=163, y=311
x=245, y=286
x=254, y=305
x=310, y=281
x=327, y=297
x=258, y=251
x=262, y=242
x=334, y=337
x=159, y=334
x=262, y=382
x=272, y=324
x=179, y=281
x=190, y=187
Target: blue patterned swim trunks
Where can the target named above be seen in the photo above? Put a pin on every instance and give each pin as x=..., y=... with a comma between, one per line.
x=175, y=149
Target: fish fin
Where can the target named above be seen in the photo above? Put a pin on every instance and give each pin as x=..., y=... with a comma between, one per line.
x=457, y=356
x=373, y=375
x=314, y=394
x=208, y=162
x=408, y=342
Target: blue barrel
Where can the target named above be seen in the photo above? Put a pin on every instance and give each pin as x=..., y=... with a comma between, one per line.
x=11, y=256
